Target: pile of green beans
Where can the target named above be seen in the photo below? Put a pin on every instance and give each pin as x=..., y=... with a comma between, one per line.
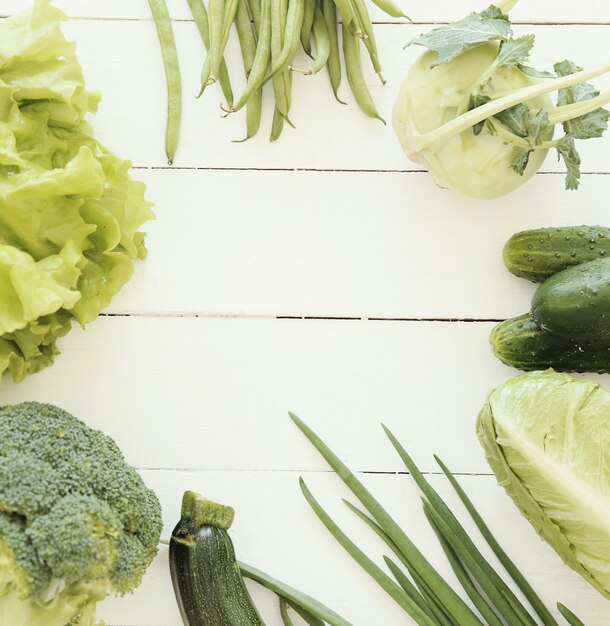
x=270, y=33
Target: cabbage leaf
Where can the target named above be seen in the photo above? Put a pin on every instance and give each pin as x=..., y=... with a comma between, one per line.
x=69, y=212
x=547, y=438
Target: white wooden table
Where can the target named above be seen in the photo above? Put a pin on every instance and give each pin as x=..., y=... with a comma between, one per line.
x=324, y=274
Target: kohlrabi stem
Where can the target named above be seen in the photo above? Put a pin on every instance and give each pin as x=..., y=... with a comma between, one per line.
x=505, y=5
x=433, y=139
x=558, y=115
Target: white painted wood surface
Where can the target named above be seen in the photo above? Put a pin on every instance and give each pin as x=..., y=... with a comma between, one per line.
x=193, y=373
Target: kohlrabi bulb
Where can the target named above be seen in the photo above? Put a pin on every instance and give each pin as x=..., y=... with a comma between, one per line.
x=476, y=165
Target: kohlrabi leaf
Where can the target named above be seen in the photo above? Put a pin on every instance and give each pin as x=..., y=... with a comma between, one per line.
x=534, y=73
x=547, y=438
x=453, y=39
x=516, y=119
x=477, y=100
x=587, y=126
x=566, y=150
x=514, y=52
x=521, y=161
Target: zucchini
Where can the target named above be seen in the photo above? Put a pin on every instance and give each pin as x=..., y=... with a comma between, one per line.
x=543, y=252
x=576, y=302
x=206, y=578
x=519, y=342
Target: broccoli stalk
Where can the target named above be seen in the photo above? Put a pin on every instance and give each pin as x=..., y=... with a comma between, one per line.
x=76, y=521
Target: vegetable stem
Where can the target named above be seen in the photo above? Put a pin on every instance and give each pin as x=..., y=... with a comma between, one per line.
x=434, y=139
x=293, y=596
x=558, y=115
x=506, y=5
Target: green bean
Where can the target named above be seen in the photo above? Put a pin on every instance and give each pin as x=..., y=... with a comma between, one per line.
x=364, y=20
x=255, y=12
x=308, y=18
x=277, y=126
x=334, y=60
x=247, y=43
x=321, y=40
x=391, y=8
x=216, y=9
x=291, y=37
x=345, y=9
x=261, y=58
x=172, y=76
x=278, y=25
x=353, y=66
x=200, y=15
x=221, y=21
x=322, y=44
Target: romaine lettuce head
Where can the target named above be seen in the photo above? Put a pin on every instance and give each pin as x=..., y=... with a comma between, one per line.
x=69, y=211
x=547, y=438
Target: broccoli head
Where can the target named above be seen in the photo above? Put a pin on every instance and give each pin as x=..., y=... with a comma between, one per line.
x=76, y=521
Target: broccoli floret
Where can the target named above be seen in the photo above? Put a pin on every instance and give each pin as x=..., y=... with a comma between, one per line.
x=76, y=521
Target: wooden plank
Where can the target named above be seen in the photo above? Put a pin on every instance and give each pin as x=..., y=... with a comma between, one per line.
x=276, y=531
x=200, y=393
x=544, y=11
x=328, y=136
x=340, y=244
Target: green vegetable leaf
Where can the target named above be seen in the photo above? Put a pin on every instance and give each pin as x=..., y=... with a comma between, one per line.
x=453, y=39
x=534, y=73
x=516, y=119
x=587, y=126
x=521, y=160
x=477, y=100
x=545, y=436
x=513, y=52
x=566, y=150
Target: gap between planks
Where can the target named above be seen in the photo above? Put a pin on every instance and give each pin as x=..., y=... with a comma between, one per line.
x=334, y=318
x=212, y=168
x=236, y=470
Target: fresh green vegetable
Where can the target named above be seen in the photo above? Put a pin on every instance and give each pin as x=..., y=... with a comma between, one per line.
x=76, y=521
x=480, y=119
x=70, y=211
x=519, y=342
x=540, y=253
x=575, y=303
x=172, y=75
x=207, y=579
x=280, y=29
x=429, y=599
x=208, y=586
x=546, y=436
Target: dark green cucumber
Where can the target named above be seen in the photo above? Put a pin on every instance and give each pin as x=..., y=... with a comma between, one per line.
x=576, y=302
x=543, y=252
x=207, y=582
x=521, y=343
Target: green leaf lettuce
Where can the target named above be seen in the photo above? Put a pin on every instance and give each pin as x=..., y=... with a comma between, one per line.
x=69, y=212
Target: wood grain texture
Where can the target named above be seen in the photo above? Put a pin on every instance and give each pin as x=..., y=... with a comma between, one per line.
x=214, y=393
x=352, y=244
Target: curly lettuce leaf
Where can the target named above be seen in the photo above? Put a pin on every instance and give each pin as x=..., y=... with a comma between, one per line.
x=70, y=213
x=547, y=438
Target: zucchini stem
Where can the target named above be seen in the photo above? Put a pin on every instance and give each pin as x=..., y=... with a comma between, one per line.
x=434, y=139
